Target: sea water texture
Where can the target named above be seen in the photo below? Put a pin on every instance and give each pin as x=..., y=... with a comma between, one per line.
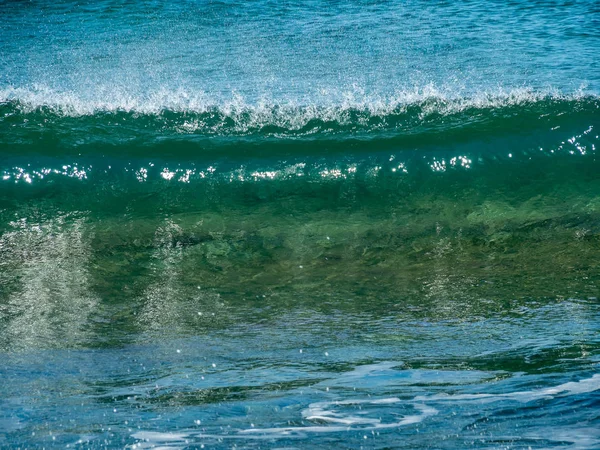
x=299, y=224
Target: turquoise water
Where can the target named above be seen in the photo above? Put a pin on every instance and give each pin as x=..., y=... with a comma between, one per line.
x=299, y=224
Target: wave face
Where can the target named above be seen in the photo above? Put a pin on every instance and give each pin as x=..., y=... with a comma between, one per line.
x=299, y=224
x=264, y=190
x=408, y=121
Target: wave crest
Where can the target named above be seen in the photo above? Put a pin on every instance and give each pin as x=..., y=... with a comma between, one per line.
x=191, y=112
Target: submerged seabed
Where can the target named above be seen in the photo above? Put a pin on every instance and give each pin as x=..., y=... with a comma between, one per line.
x=419, y=275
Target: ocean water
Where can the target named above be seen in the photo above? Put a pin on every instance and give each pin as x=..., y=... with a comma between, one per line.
x=300, y=224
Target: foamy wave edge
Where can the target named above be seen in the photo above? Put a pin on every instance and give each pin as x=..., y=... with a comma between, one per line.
x=325, y=107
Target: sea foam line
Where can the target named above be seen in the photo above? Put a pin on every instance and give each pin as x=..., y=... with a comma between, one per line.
x=329, y=107
x=338, y=422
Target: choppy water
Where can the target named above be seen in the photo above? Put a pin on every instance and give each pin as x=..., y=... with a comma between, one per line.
x=299, y=224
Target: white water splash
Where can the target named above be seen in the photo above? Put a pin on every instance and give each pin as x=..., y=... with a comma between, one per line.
x=288, y=112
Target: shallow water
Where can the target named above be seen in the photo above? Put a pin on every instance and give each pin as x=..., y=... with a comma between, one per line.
x=299, y=225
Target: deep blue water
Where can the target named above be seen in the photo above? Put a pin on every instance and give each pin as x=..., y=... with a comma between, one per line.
x=299, y=224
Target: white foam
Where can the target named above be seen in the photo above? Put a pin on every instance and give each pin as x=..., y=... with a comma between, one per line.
x=290, y=113
x=325, y=412
x=571, y=388
x=158, y=440
x=329, y=412
x=337, y=420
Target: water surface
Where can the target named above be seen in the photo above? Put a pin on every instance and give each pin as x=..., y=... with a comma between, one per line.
x=299, y=224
